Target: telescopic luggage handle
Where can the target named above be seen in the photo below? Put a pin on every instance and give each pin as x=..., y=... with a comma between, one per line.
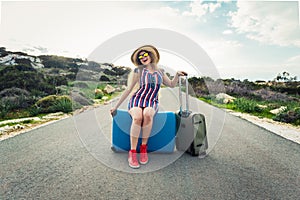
x=186, y=93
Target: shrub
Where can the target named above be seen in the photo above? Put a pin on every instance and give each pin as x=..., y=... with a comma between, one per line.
x=57, y=80
x=14, y=106
x=289, y=115
x=46, y=102
x=63, y=104
x=247, y=105
x=25, y=77
x=99, y=95
x=63, y=90
x=6, y=105
x=54, y=103
x=23, y=61
x=34, y=110
x=104, y=78
x=266, y=94
x=14, y=91
x=219, y=101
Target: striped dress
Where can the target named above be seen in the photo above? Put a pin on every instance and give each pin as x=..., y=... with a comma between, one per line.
x=147, y=94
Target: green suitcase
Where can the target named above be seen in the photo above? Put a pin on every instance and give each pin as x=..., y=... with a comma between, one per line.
x=191, y=134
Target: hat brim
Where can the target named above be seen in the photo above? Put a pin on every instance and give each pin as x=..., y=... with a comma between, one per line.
x=149, y=48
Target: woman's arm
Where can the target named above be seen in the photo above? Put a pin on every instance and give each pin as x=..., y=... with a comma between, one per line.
x=135, y=79
x=172, y=83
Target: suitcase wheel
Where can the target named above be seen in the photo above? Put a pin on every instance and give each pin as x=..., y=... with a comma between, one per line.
x=113, y=149
x=192, y=150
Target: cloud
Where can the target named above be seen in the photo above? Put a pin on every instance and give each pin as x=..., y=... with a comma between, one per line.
x=213, y=7
x=41, y=49
x=274, y=23
x=292, y=65
x=294, y=59
x=227, y=32
x=199, y=9
x=35, y=50
x=225, y=54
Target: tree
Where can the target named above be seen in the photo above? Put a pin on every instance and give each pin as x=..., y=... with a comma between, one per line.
x=285, y=77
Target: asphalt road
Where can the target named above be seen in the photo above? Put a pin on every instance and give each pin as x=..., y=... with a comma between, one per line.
x=71, y=159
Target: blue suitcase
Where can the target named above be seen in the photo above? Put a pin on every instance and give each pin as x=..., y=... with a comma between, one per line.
x=162, y=137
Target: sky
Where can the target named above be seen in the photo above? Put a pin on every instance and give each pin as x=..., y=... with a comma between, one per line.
x=254, y=40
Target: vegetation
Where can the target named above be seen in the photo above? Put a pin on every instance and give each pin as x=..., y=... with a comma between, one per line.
x=257, y=98
x=289, y=115
x=29, y=121
x=54, y=103
x=30, y=85
x=26, y=78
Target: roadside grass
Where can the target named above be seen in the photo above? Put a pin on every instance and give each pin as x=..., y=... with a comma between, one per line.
x=260, y=109
x=21, y=113
x=29, y=121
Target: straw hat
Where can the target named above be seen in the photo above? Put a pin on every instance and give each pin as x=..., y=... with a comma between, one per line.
x=148, y=48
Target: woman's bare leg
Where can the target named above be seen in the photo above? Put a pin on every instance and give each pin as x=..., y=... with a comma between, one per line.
x=137, y=119
x=148, y=114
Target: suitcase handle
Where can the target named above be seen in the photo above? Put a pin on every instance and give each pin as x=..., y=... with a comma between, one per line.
x=186, y=94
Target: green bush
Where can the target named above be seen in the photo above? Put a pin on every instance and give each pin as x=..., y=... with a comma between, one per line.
x=16, y=98
x=5, y=107
x=289, y=115
x=63, y=105
x=13, y=91
x=98, y=95
x=46, y=102
x=34, y=110
x=219, y=101
x=54, y=103
x=11, y=105
x=247, y=105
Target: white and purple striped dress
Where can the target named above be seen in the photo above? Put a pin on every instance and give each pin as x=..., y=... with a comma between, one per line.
x=147, y=94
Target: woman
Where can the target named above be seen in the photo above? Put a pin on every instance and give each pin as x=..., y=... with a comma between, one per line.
x=143, y=103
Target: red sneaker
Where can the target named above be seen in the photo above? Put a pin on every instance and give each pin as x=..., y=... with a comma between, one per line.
x=143, y=154
x=132, y=159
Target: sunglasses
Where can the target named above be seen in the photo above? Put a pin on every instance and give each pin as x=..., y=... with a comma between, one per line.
x=144, y=55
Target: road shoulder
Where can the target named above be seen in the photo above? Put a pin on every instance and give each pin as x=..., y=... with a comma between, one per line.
x=285, y=130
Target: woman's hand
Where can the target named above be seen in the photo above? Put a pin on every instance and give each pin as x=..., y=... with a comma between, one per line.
x=172, y=83
x=113, y=111
x=181, y=73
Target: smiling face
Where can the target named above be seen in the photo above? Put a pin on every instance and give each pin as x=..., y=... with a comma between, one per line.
x=144, y=58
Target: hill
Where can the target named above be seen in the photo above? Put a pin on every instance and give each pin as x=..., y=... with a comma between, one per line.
x=25, y=80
